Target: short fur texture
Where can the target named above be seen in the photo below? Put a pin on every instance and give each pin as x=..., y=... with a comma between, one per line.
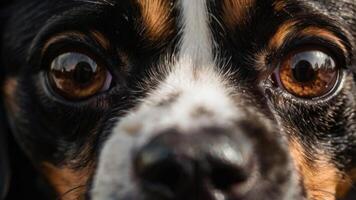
x=188, y=76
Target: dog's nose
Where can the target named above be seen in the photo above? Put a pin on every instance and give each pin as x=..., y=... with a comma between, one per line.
x=213, y=162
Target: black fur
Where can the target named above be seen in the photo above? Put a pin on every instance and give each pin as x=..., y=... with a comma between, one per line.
x=48, y=128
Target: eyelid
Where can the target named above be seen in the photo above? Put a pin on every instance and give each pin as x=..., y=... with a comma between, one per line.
x=307, y=43
x=87, y=44
x=71, y=42
x=315, y=26
x=65, y=36
x=93, y=37
x=291, y=30
x=325, y=34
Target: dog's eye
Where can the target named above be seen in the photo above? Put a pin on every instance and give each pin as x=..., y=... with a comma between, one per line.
x=77, y=76
x=308, y=73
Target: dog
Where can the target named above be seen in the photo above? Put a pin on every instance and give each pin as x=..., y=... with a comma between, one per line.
x=178, y=99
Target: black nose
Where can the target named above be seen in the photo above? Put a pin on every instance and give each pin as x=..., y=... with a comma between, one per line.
x=200, y=165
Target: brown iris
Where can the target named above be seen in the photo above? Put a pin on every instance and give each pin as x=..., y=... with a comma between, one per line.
x=76, y=76
x=308, y=73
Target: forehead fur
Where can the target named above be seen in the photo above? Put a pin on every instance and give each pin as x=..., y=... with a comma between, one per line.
x=156, y=16
x=237, y=12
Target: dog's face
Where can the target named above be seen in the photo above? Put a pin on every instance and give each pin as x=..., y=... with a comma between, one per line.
x=184, y=99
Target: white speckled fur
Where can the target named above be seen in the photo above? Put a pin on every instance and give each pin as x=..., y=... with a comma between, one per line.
x=194, y=78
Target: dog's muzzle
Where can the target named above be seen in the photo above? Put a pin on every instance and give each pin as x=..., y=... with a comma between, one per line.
x=242, y=162
x=211, y=163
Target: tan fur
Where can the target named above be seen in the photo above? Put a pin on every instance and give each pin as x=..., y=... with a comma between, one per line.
x=353, y=174
x=9, y=92
x=236, y=12
x=156, y=18
x=279, y=5
x=344, y=187
x=68, y=183
x=321, y=178
x=325, y=34
x=281, y=34
x=288, y=28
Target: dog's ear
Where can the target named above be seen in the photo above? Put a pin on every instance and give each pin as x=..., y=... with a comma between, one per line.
x=4, y=159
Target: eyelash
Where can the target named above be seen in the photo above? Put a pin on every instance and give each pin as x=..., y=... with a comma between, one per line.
x=272, y=58
x=64, y=45
x=304, y=42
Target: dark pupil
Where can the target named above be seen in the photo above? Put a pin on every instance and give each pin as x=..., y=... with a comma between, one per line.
x=83, y=73
x=303, y=72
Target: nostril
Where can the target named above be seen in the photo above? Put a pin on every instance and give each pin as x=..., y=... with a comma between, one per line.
x=225, y=177
x=160, y=171
x=167, y=173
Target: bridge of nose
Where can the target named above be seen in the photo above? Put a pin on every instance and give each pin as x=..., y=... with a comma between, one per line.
x=194, y=80
x=196, y=42
x=202, y=98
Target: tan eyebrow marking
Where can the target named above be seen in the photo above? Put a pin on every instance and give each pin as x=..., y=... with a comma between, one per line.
x=279, y=5
x=156, y=18
x=281, y=34
x=236, y=12
x=289, y=28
